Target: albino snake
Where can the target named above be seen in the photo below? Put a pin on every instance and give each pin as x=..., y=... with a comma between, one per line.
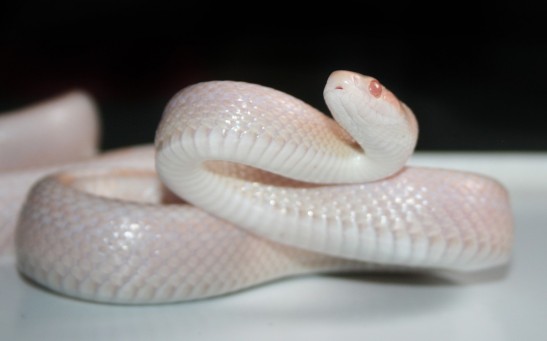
x=271, y=188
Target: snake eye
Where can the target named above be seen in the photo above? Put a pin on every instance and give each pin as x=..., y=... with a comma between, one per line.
x=375, y=88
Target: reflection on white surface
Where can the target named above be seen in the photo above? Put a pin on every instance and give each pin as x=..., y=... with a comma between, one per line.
x=502, y=304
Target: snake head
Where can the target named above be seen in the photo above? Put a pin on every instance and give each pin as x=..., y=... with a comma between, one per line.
x=364, y=98
x=366, y=90
x=382, y=125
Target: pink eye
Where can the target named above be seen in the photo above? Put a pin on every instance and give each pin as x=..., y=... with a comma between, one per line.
x=375, y=88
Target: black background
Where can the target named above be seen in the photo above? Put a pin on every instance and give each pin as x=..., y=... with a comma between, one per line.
x=474, y=75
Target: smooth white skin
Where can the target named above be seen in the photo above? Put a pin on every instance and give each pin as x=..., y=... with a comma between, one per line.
x=259, y=159
x=41, y=139
x=60, y=130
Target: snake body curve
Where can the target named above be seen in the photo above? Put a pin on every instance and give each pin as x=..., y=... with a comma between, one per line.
x=58, y=134
x=271, y=188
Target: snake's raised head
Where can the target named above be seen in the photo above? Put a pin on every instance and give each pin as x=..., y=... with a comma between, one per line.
x=373, y=116
x=348, y=86
x=363, y=98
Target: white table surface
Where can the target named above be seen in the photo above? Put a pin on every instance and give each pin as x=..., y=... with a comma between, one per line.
x=503, y=304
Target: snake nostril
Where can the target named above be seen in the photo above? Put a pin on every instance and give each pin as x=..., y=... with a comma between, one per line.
x=339, y=87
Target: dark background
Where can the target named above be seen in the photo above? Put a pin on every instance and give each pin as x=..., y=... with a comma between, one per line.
x=474, y=75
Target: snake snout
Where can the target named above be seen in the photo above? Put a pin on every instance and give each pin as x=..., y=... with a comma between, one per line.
x=342, y=80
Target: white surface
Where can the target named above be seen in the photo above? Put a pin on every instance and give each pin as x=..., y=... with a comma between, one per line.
x=504, y=304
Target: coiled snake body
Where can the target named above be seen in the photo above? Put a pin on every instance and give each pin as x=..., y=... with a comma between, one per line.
x=271, y=188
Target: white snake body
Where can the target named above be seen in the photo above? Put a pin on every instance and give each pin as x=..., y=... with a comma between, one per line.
x=61, y=133
x=15, y=185
x=286, y=191
x=125, y=251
